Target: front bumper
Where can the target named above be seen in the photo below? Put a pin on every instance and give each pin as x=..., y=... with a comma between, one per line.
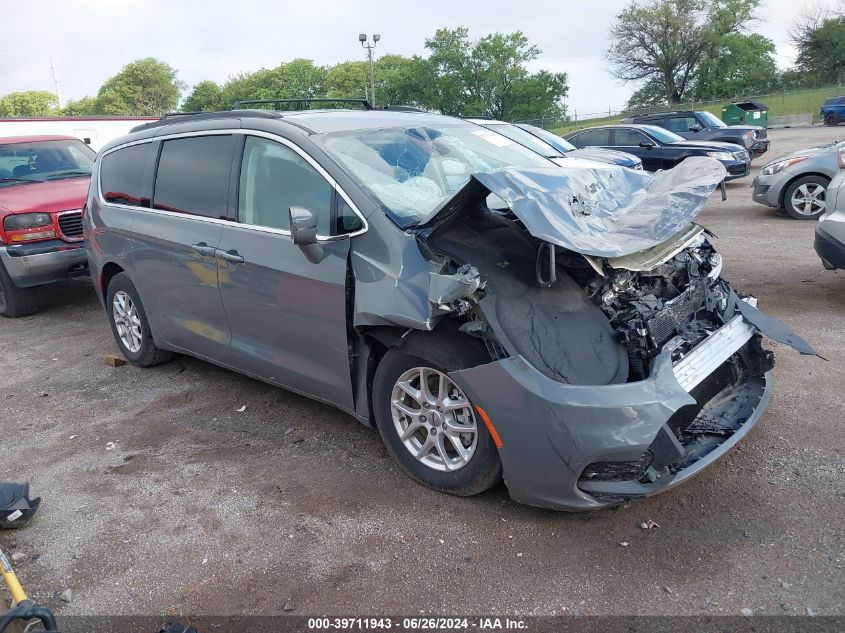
x=737, y=169
x=553, y=433
x=43, y=262
x=759, y=147
x=830, y=250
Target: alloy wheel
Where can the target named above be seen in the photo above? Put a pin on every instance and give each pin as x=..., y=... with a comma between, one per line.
x=127, y=321
x=434, y=419
x=809, y=199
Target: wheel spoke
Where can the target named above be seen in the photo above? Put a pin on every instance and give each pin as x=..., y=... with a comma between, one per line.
x=413, y=427
x=453, y=429
x=416, y=394
x=405, y=409
x=462, y=451
x=424, y=389
x=803, y=190
x=426, y=447
x=441, y=450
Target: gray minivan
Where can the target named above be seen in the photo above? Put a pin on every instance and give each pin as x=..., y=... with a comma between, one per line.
x=490, y=313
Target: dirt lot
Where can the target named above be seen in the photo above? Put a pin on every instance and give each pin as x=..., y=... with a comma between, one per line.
x=201, y=509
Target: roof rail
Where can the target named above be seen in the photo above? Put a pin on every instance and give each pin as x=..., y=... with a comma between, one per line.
x=178, y=117
x=240, y=104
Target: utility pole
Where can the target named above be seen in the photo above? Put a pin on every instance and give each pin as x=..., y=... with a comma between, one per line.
x=362, y=37
x=55, y=79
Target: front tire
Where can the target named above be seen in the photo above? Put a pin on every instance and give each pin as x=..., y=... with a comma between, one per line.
x=129, y=324
x=430, y=427
x=806, y=198
x=831, y=119
x=15, y=302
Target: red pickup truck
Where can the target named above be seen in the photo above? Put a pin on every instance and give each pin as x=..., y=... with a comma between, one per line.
x=43, y=185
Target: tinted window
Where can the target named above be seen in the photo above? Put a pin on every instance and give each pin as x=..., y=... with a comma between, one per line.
x=275, y=178
x=624, y=137
x=682, y=123
x=598, y=136
x=193, y=175
x=124, y=175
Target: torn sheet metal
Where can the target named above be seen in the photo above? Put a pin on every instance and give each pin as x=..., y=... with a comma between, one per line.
x=601, y=212
x=774, y=329
x=445, y=289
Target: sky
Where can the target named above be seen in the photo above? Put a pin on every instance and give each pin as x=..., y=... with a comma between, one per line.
x=90, y=40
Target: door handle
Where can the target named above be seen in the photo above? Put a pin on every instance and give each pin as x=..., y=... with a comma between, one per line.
x=203, y=249
x=229, y=256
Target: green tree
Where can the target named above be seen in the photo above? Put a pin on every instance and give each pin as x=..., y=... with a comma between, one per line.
x=297, y=79
x=80, y=107
x=488, y=76
x=820, y=39
x=742, y=65
x=664, y=44
x=206, y=96
x=147, y=87
x=348, y=79
x=31, y=103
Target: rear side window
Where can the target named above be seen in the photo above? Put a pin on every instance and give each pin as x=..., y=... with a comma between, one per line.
x=124, y=175
x=592, y=137
x=193, y=175
x=626, y=137
x=682, y=123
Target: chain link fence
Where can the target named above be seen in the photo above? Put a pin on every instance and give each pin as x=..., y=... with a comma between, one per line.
x=780, y=104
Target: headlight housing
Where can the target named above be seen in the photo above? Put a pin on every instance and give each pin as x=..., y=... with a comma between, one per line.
x=26, y=221
x=780, y=165
x=721, y=155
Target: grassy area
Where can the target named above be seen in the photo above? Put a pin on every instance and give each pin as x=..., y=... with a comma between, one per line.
x=779, y=105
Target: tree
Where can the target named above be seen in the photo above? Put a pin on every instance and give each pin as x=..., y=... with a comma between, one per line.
x=348, y=79
x=743, y=65
x=297, y=79
x=145, y=87
x=488, y=76
x=31, y=103
x=206, y=96
x=820, y=39
x=80, y=107
x=665, y=43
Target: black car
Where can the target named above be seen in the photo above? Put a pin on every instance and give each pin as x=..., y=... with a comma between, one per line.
x=661, y=149
x=700, y=125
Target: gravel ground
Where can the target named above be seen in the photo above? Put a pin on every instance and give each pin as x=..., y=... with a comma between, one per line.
x=159, y=496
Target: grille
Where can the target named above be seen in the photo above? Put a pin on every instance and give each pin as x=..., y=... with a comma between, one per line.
x=676, y=313
x=71, y=224
x=760, y=134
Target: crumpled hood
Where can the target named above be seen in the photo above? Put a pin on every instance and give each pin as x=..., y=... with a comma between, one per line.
x=606, y=212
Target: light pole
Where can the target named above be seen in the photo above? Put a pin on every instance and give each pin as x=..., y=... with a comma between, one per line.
x=362, y=37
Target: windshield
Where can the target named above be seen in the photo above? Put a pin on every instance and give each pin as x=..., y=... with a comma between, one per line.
x=38, y=161
x=558, y=142
x=662, y=135
x=413, y=170
x=712, y=119
x=525, y=138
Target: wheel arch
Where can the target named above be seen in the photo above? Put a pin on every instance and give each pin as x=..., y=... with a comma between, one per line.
x=107, y=272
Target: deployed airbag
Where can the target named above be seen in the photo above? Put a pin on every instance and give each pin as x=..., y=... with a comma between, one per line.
x=608, y=212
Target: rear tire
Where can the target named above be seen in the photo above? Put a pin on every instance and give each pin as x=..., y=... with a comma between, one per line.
x=15, y=302
x=459, y=463
x=129, y=324
x=806, y=198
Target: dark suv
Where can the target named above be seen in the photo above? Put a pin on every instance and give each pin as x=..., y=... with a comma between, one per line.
x=832, y=111
x=488, y=311
x=700, y=125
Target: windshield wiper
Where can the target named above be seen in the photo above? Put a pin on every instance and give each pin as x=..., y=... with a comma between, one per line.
x=68, y=174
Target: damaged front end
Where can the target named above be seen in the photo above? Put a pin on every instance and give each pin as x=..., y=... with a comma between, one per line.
x=621, y=362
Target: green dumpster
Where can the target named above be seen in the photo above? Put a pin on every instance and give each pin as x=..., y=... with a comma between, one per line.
x=750, y=112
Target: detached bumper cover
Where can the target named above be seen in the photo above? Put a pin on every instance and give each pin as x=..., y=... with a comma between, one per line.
x=551, y=431
x=759, y=147
x=43, y=262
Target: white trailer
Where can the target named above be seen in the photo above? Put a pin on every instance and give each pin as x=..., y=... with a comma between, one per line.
x=96, y=131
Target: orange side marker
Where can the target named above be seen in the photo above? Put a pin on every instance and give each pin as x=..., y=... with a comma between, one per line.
x=493, y=433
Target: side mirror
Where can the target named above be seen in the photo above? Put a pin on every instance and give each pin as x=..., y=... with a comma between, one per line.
x=303, y=231
x=695, y=128
x=646, y=144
